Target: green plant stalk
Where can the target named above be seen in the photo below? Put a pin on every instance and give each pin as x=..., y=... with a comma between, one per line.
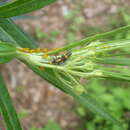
x=90, y=39
x=114, y=61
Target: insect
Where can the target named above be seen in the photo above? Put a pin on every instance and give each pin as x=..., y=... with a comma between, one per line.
x=61, y=59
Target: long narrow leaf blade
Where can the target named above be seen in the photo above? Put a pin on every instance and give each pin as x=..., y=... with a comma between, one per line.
x=19, y=7
x=10, y=32
x=7, y=109
x=87, y=100
x=88, y=40
x=114, y=61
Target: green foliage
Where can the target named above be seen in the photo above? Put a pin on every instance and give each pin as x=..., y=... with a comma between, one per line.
x=7, y=49
x=71, y=36
x=10, y=32
x=46, y=37
x=121, y=19
x=19, y=7
x=115, y=98
x=7, y=52
x=96, y=37
x=51, y=125
x=23, y=114
x=75, y=24
x=7, y=109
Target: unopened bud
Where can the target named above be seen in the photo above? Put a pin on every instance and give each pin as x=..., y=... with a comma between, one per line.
x=79, y=89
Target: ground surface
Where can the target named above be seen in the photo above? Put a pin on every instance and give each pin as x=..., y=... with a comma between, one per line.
x=37, y=101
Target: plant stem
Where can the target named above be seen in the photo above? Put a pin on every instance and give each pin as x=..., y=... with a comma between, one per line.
x=90, y=39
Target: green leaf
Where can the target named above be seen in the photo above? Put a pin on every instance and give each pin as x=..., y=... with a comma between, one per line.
x=10, y=32
x=6, y=47
x=90, y=126
x=51, y=125
x=90, y=102
x=7, y=109
x=114, y=61
x=5, y=59
x=7, y=52
x=19, y=7
x=117, y=75
x=81, y=111
x=88, y=40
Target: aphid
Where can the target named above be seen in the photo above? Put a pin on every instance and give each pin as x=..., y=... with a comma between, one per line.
x=61, y=59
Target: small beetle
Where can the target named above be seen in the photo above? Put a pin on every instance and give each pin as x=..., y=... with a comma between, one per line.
x=61, y=59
